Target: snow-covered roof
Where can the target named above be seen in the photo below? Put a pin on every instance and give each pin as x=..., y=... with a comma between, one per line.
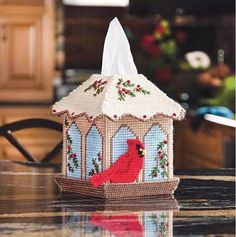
x=117, y=96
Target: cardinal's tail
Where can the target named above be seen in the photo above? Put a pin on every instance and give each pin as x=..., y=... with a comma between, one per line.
x=99, y=179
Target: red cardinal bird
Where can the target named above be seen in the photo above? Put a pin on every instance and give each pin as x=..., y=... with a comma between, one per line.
x=119, y=225
x=127, y=167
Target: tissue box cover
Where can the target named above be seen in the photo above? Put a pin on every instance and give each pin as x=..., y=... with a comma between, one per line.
x=100, y=117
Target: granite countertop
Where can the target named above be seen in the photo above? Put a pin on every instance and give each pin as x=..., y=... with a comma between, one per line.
x=31, y=205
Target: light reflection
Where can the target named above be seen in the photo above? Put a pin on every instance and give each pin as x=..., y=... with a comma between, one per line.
x=117, y=221
x=110, y=3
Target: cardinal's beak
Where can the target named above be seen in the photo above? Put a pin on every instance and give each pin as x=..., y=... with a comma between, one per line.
x=143, y=152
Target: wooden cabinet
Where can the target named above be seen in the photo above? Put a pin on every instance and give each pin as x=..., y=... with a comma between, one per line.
x=202, y=144
x=26, y=73
x=26, y=51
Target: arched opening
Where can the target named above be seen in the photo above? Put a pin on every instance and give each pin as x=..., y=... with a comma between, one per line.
x=156, y=159
x=93, y=152
x=73, y=152
x=119, y=142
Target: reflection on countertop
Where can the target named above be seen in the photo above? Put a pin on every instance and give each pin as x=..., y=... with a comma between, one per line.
x=31, y=205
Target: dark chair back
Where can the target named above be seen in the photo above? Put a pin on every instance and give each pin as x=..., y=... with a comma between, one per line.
x=8, y=129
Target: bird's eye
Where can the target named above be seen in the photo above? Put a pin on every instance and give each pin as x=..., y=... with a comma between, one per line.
x=138, y=146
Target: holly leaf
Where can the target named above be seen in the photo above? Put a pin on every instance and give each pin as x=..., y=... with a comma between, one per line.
x=70, y=168
x=122, y=97
x=88, y=88
x=75, y=162
x=131, y=94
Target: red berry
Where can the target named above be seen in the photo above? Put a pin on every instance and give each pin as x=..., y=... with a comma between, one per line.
x=115, y=116
x=144, y=116
x=126, y=92
x=123, y=89
x=99, y=81
x=118, y=83
x=120, y=91
x=74, y=155
x=53, y=110
x=174, y=114
x=128, y=81
x=148, y=41
x=155, y=175
x=165, y=141
x=160, y=29
x=138, y=85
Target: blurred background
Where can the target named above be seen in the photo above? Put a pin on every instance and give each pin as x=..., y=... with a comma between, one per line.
x=187, y=48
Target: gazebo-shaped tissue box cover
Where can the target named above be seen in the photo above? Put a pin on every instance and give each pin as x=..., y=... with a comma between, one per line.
x=101, y=118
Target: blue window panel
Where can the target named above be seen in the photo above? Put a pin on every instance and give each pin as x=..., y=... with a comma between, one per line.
x=93, y=148
x=80, y=225
x=75, y=136
x=73, y=221
x=119, y=142
x=151, y=140
x=156, y=224
x=90, y=228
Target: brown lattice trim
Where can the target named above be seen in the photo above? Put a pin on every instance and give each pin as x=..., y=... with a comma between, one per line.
x=108, y=128
x=156, y=124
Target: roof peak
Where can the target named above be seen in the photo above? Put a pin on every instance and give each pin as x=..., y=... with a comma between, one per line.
x=119, y=95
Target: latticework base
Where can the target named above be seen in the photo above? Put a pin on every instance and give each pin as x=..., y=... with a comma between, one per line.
x=113, y=191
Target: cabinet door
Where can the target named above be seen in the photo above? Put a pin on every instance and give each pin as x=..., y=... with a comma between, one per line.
x=21, y=54
x=24, y=56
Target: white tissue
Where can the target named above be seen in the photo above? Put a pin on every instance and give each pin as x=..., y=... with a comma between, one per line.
x=117, y=57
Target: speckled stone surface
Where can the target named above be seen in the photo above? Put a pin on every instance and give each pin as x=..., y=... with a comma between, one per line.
x=31, y=205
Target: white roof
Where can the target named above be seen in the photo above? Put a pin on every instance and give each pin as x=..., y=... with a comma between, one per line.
x=117, y=96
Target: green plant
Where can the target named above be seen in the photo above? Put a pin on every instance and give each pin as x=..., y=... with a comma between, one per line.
x=162, y=161
x=71, y=155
